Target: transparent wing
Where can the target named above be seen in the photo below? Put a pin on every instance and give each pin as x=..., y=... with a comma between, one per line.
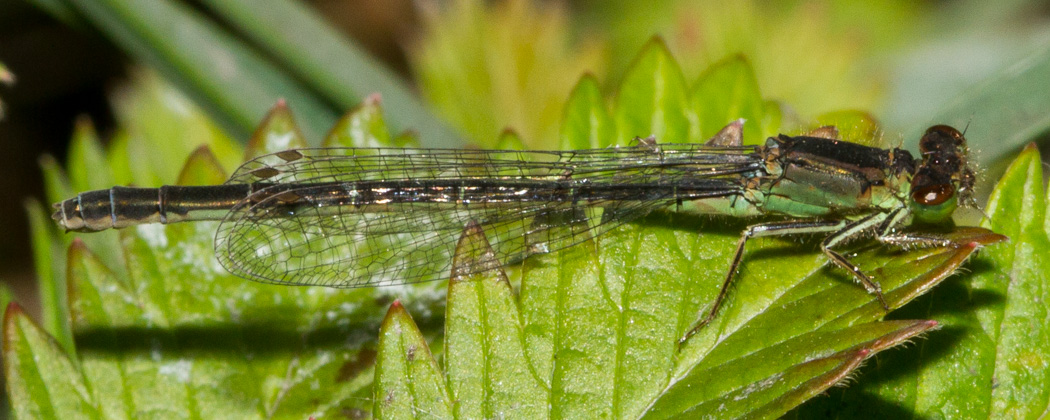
x=412, y=239
x=641, y=164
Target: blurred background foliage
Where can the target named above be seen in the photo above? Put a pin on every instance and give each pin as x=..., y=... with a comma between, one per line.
x=480, y=67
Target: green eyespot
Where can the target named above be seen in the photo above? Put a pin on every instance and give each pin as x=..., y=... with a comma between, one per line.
x=934, y=203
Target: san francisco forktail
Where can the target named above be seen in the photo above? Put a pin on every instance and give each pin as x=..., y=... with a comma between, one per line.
x=356, y=217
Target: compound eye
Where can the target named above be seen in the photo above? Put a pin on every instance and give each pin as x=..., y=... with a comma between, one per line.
x=930, y=141
x=945, y=130
x=933, y=195
x=934, y=203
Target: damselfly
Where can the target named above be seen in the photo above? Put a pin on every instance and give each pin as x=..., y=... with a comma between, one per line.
x=364, y=217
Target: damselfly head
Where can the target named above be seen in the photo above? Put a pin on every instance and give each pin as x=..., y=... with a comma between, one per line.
x=943, y=178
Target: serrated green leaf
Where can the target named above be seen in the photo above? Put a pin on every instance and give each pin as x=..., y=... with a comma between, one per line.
x=41, y=380
x=201, y=168
x=725, y=92
x=601, y=322
x=278, y=131
x=484, y=334
x=510, y=140
x=586, y=123
x=182, y=327
x=1018, y=208
x=756, y=385
x=652, y=98
x=363, y=126
x=407, y=139
x=408, y=382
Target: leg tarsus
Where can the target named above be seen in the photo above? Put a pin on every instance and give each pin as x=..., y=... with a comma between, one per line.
x=852, y=230
x=724, y=290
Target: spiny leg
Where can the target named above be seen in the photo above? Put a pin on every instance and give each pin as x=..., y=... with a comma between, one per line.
x=889, y=236
x=756, y=231
x=852, y=231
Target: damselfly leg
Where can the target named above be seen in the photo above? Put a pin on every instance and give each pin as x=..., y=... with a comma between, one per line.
x=842, y=231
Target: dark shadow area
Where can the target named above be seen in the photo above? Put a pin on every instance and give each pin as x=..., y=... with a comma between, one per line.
x=259, y=338
x=840, y=403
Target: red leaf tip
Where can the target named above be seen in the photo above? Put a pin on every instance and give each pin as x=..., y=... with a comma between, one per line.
x=13, y=308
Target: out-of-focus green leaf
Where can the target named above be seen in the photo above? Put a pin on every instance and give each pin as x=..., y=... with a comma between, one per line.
x=60, y=10
x=994, y=327
x=159, y=127
x=405, y=139
x=725, y=92
x=510, y=140
x=88, y=168
x=42, y=381
x=278, y=131
x=490, y=66
x=119, y=157
x=854, y=126
x=652, y=99
x=56, y=184
x=235, y=83
x=202, y=168
x=50, y=278
x=332, y=65
x=6, y=296
x=814, y=55
x=364, y=126
x=1000, y=116
x=586, y=123
x=408, y=383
